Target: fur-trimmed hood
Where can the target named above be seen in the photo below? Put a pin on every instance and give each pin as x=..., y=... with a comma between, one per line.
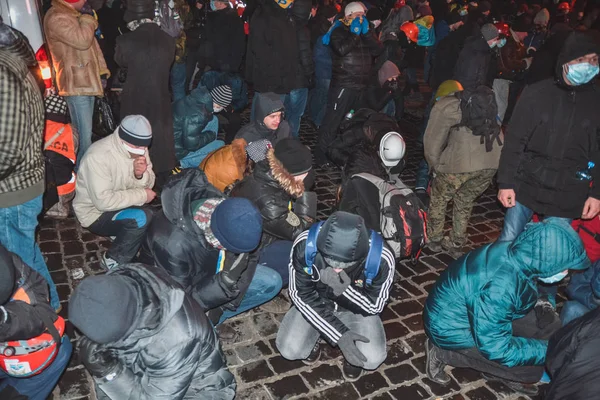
x=283, y=177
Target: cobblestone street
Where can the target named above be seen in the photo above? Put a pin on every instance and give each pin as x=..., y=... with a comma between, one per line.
x=261, y=372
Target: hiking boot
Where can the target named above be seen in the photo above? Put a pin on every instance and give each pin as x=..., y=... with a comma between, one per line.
x=279, y=305
x=452, y=249
x=436, y=247
x=435, y=367
x=108, y=263
x=528, y=389
x=350, y=372
x=314, y=356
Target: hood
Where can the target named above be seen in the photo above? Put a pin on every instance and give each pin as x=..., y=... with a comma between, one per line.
x=301, y=11
x=179, y=192
x=547, y=248
x=576, y=45
x=344, y=237
x=267, y=104
x=387, y=70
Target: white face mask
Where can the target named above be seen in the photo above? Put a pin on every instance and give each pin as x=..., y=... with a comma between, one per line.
x=376, y=23
x=133, y=150
x=217, y=109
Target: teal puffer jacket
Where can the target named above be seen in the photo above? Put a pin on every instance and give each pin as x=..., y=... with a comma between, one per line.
x=476, y=299
x=190, y=116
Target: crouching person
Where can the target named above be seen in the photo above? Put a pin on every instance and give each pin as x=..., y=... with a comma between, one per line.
x=27, y=320
x=340, y=278
x=145, y=338
x=114, y=184
x=480, y=313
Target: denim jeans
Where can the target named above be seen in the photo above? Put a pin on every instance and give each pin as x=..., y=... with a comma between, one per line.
x=296, y=337
x=178, y=81
x=40, y=386
x=572, y=310
x=423, y=178
x=390, y=109
x=81, y=109
x=277, y=257
x=295, y=104
x=318, y=100
x=265, y=285
x=411, y=81
x=193, y=160
x=17, y=234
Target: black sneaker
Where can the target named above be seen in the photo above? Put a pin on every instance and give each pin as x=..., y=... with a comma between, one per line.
x=314, y=356
x=435, y=367
x=527, y=389
x=350, y=372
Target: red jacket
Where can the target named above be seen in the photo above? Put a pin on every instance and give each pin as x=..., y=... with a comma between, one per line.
x=587, y=229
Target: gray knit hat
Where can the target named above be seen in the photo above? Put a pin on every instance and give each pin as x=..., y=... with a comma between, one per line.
x=489, y=32
x=136, y=130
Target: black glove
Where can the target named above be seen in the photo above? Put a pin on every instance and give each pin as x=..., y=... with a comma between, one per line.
x=99, y=362
x=306, y=205
x=351, y=353
x=338, y=282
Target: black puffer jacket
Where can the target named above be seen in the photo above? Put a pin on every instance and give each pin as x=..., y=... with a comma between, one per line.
x=352, y=57
x=175, y=243
x=554, y=133
x=175, y=354
x=473, y=65
x=267, y=104
x=225, y=40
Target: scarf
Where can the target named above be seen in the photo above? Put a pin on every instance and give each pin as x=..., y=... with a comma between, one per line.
x=202, y=218
x=133, y=25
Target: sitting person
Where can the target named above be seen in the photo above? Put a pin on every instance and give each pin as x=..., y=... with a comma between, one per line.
x=212, y=234
x=226, y=165
x=195, y=126
x=337, y=296
x=480, y=313
x=114, y=184
x=463, y=164
x=269, y=123
x=145, y=338
x=26, y=314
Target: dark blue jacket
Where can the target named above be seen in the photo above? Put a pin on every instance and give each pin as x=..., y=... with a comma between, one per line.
x=322, y=58
x=585, y=288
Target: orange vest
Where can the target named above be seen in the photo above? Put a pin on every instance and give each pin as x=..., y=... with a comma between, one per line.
x=58, y=137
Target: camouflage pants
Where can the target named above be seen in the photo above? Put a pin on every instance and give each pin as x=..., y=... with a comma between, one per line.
x=463, y=189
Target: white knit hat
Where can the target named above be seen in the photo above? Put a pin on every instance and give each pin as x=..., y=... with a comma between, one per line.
x=353, y=7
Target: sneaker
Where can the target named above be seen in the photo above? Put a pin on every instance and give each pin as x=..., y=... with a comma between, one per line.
x=314, y=356
x=279, y=305
x=108, y=263
x=436, y=247
x=526, y=389
x=452, y=249
x=350, y=372
x=435, y=367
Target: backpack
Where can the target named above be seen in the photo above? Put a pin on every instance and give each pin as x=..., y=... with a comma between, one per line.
x=373, y=258
x=402, y=217
x=168, y=18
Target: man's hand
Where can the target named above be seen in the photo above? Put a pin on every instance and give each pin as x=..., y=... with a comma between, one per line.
x=591, y=208
x=150, y=195
x=348, y=347
x=139, y=166
x=338, y=282
x=99, y=362
x=507, y=197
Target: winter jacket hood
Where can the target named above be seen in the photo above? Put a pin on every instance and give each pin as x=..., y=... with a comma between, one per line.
x=279, y=174
x=226, y=165
x=266, y=104
x=578, y=44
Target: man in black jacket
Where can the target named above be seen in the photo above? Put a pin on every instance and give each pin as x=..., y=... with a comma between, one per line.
x=353, y=48
x=145, y=338
x=335, y=298
x=225, y=41
x=473, y=66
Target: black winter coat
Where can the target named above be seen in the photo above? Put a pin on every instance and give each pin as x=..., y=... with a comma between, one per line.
x=573, y=360
x=306, y=66
x=174, y=354
x=272, y=55
x=473, y=65
x=225, y=40
x=552, y=134
x=352, y=57
x=266, y=104
x=148, y=53
x=175, y=243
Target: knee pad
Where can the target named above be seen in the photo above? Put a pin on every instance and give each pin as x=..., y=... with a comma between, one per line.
x=137, y=214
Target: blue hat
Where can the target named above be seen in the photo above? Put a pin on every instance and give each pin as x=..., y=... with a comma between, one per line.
x=237, y=224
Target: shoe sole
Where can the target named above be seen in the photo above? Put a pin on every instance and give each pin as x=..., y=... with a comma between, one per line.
x=427, y=357
x=349, y=379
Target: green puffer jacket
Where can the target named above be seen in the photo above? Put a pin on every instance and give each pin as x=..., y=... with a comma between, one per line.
x=190, y=116
x=476, y=299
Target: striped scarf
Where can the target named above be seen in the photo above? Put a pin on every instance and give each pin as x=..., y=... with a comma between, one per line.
x=202, y=219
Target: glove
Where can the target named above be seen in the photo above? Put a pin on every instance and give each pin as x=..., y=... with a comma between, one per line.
x=99, y=362
x=87, y=9
x=338, y=282
x=349, y=349
x=356, y=26
x=306, y=205
x=365, y=26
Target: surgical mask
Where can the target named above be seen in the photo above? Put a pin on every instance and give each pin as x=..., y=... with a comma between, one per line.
x=582, y=73
x=217, y=109
x=133, y=150
x=502, y=43
x=462, y=12
x=555, y=278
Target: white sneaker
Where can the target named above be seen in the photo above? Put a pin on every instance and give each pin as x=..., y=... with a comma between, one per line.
x=108, y=263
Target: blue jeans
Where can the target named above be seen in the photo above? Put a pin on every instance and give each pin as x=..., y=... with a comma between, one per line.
x=178, y=81
x=318, y=100
x=81, y=109
x=390, y=109
x=423, y=178
x=17, y=234
x=572, y=310
x=295, y=104
x=40, y=386
x=193, y=159
x=265, y=285
x=277, y=257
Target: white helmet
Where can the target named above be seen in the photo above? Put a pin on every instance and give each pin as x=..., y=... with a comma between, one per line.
x=392, y=149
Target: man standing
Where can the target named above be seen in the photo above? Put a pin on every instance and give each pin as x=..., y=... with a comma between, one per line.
x=473, y=66
x=21, y=159
x=81, y=71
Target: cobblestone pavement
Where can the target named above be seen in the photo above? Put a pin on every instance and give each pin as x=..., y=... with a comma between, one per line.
x=261, y=372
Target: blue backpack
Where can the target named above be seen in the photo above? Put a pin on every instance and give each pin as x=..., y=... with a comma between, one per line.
x=373, y=258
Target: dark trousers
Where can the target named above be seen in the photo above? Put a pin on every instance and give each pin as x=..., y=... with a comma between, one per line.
x=128, y=226
x=232, y=125
x=471, y=358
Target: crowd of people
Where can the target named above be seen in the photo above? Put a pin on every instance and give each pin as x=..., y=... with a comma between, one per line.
x=141, y=138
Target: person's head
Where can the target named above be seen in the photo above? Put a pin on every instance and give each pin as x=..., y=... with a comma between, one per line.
x=7, y=275
x=269, y=110
x=139, y=9
x=237, y=224
x=327, y=12
x=135, y=132
x=541, y=20
x=273, y=120
x=411, y=31
x=578, y=60
x=343, y=241
x=581, y=70
x=447, y=88
x=216, y=5
x=295, y=157
x=76, y=4
x=490, y=34
x=374, y=16
x=563, y=8
x=485, y=7
x=388, y=73
x=354, y=10
x=105, y=308
x=221, y=96
x=392, y=149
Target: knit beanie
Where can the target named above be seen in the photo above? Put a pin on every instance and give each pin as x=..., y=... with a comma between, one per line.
x=222, y=95
x=387, y=70
x=484, y=6
x=353, y=7
x=489, y=32
x=136, y=130
x=295, y=157
x=104, y=308
x=542, y=17
x=237, y=224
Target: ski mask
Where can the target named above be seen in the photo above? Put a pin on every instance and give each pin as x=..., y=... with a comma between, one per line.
x=580, y=74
